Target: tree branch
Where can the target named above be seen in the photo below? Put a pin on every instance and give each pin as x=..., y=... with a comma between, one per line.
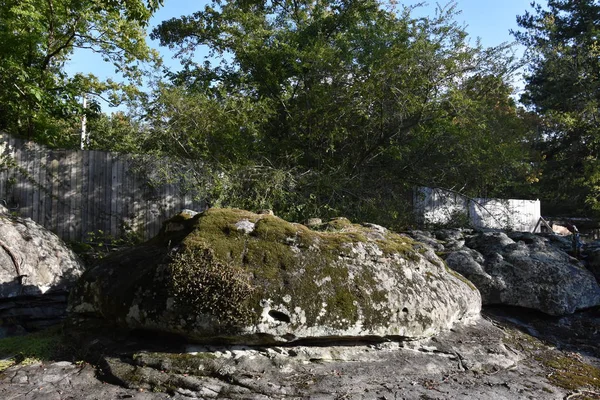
x=60, y=48
x=50, y=24
x=384, y=138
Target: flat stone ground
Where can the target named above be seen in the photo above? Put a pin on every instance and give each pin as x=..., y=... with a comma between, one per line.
x=507, y=354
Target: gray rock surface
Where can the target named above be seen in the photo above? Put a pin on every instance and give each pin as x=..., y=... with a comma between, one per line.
x=248, y=278
x=522, y=269
x=36, y=271
x=484, y=359
x=427, y=238
x=355, y=370
x=63, y=380
x=33, y=260
x=452, y=239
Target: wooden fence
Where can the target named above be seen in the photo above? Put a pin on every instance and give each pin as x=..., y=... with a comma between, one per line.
x=78, y=193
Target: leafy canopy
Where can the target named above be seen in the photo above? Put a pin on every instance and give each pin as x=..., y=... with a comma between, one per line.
x=37, y=38
x=354, y=99
x=563, y=88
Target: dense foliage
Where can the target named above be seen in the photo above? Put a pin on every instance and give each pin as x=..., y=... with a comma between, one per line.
x=563, y=88
x=338, y=107
x=37, y=37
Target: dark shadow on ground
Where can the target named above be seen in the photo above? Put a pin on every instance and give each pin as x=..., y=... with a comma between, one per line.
x=578, y=332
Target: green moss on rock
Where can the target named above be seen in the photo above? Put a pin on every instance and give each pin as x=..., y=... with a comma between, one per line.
x=268, y=258
x=459, y=276
x=338, y=224
x=569, y=372
x=398, y=244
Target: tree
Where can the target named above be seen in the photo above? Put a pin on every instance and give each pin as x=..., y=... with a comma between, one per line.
x=563, y=88
x=37, y=37
x=357, y=101
x=117, y=132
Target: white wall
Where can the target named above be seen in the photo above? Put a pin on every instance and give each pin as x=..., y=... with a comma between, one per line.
x=437, y=206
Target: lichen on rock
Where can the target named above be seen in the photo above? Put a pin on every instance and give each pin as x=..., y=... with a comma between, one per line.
x=241, y=277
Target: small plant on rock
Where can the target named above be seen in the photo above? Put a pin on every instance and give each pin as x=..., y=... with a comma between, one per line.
x=208, y=286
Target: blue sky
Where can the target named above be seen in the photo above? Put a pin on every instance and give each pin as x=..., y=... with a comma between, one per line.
x=490, y=20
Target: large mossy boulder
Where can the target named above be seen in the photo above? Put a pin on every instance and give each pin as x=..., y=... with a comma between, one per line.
x=240, y=277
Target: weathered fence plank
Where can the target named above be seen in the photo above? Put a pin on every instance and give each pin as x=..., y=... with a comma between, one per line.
x=72, y=198
x=43, y=189
x=18, y=182
x=35, y=200
x=54, y=181
x=27, y=162
x=115, y=198
x=85, y=188
x=62, y=193
x=76, y=200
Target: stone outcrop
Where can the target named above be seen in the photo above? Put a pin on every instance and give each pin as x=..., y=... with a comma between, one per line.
x=520, y=269
x=36, y=271
x=510, y=354
x=242, y=372
x=240, y=277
